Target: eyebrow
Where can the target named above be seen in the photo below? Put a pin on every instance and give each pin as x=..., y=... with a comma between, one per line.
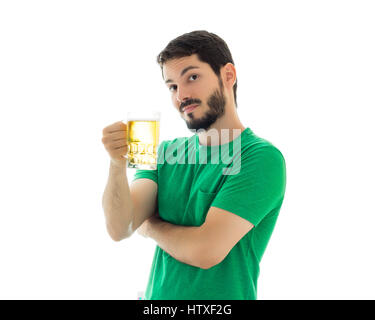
x=183, y=72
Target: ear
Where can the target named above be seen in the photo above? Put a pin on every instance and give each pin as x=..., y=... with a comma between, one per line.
x=228, y=74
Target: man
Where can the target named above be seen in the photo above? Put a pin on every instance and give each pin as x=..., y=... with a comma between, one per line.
x=211, y=220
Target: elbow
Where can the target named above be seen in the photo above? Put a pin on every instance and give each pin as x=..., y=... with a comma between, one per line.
x=118, y=235
x=208, y=264
x=207, y=259
x=117, y=238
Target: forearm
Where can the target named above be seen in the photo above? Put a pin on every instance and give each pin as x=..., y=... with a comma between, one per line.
x=181, y=242
x=117, y=203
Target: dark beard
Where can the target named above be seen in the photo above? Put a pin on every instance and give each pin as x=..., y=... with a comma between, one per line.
x=216, y=103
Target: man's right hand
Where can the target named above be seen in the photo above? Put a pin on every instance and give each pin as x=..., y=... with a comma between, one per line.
x=115, y=142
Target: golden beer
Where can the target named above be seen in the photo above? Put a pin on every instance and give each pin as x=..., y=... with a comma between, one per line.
x=143, y=140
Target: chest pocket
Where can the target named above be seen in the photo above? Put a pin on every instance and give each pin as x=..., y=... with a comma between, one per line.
x=197, y=208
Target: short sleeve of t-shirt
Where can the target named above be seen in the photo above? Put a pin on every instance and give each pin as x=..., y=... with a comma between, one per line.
x=150, y=174
x=258, y=188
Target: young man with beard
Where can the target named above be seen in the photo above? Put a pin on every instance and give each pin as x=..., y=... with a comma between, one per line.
x=211, y=218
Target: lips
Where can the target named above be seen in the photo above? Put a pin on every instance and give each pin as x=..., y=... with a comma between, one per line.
x=190, y=108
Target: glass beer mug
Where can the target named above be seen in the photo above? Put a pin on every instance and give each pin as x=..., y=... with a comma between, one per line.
x=143, y=139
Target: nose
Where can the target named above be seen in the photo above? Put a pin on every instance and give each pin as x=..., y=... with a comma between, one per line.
x=182, y=95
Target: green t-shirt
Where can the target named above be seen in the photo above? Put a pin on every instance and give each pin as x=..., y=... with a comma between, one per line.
x=247, y=177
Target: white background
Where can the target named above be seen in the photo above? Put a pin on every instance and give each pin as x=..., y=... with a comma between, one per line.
x=306, y=80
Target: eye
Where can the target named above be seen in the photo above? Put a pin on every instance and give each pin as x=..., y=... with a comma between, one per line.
x=172, y=88
x=193, y=77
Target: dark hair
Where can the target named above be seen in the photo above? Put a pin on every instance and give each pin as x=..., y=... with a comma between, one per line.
x=209, y=48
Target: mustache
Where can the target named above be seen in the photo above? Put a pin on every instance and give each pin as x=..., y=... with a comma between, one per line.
x=189, y=102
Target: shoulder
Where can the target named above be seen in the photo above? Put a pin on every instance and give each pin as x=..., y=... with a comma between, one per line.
x=258, y=157
x=174, y=142
x=174, y=150
x=254, y=147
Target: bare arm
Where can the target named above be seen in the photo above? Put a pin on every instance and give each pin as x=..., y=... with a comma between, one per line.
x=181, y=242
x=125, y=207
x=117, y=204
x=204, y=246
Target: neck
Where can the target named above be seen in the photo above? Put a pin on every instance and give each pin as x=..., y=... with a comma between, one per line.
x=225, y=129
